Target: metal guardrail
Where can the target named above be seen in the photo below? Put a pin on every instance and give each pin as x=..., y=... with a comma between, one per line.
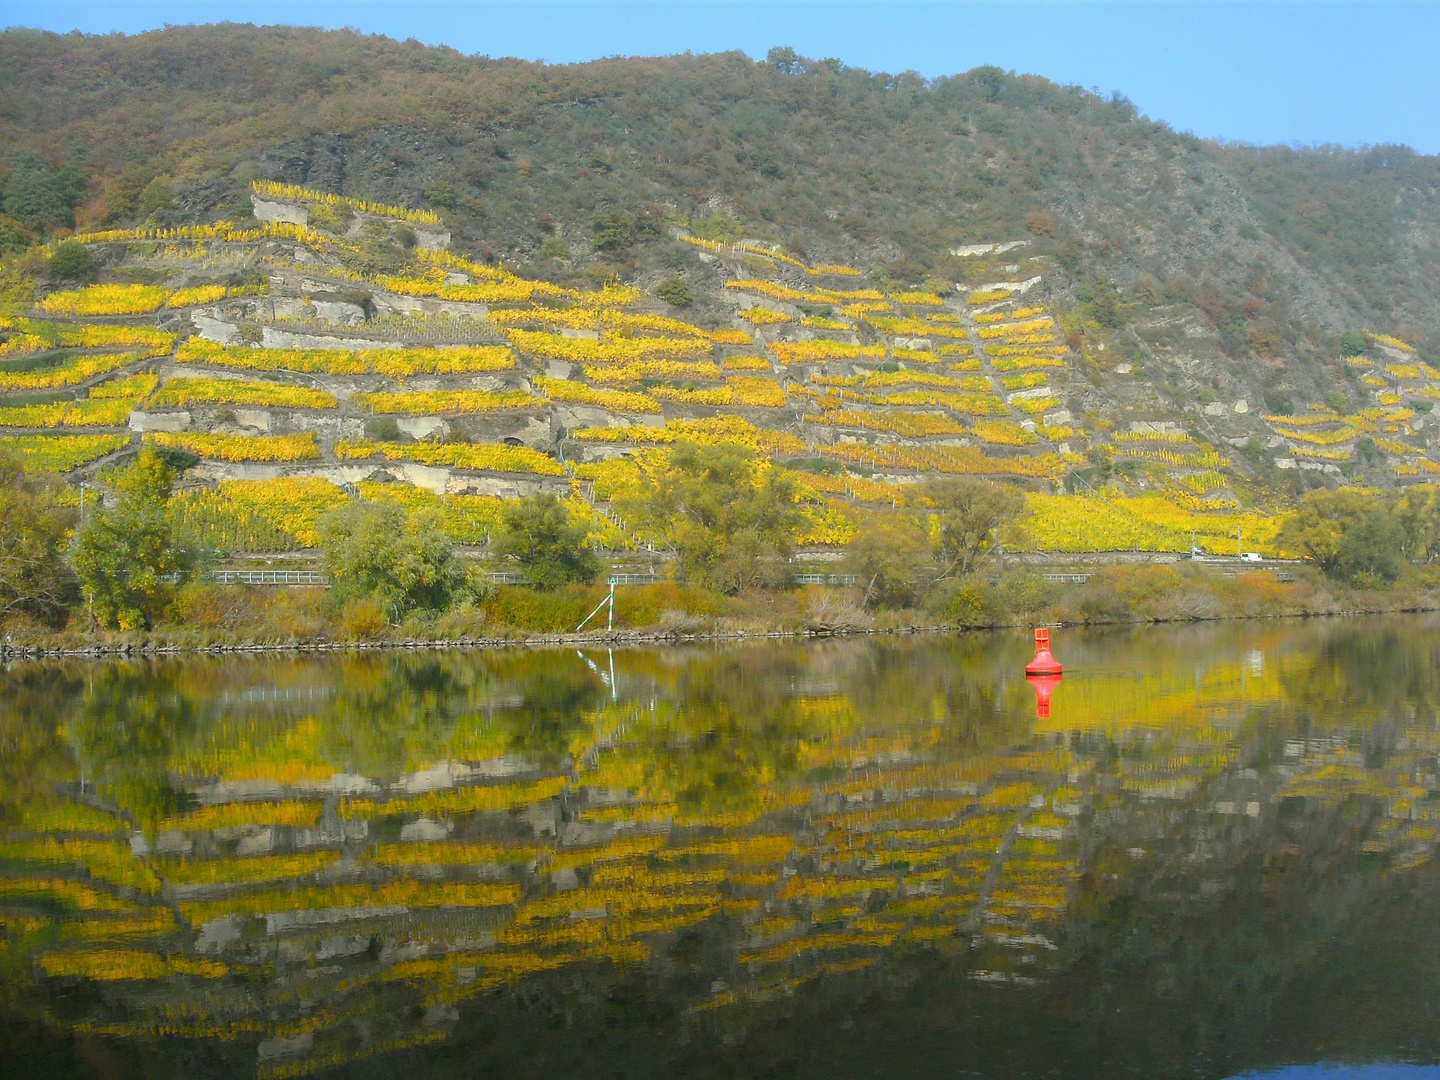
x=825, y=579
x=1067, y=579
x=268, y=577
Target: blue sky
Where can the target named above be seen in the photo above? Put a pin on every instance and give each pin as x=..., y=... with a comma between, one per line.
x=1289, y=72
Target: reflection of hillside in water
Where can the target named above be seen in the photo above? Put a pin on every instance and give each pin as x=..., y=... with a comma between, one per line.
x=322, y=861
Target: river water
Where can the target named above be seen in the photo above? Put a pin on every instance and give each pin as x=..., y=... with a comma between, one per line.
x=853, y=858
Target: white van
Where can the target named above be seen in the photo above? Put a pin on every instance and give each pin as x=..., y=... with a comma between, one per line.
x=1251, y=556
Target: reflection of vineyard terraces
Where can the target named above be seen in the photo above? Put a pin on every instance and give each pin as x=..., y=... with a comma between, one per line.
x=239, y=447
x=903, y=377
x=623, y=373
x=291, y=193
x=917, y=328
x=495, y=457
x=95, y=412
x=912, y=424
x=621, y=401
x=946, y=459
x=809, y=352
x=609, y=350
x=445, y=402
x=396, y=363
x=256, y=515
x=709, y=431
x=235, y=392
x=62, y=452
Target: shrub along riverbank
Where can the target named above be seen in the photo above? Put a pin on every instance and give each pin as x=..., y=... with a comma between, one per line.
x=207, y=616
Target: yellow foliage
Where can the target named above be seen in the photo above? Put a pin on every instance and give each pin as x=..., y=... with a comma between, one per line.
x=226, y=517
x=609, y=350
x=947, y=459
x=106, y=300
x=496, y=457
x=445, y=402
x=70, y=373
x=236, y=392
x=239, y=447
x=763, y=316
x=396, y=363
x=623, y=401
x=108, y=965
x=62, y=452
x=271, y=189
x=912, y=424
x=988, y=296
x=807, y=352
x=686, y=370
x=918, y=328
x=1003, y=433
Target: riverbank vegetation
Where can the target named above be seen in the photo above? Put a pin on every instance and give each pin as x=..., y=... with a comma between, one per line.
x=724, y=525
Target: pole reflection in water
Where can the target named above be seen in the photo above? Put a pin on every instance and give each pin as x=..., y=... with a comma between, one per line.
x=839, y=859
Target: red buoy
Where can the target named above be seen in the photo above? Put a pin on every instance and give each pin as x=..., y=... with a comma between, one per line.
x=1044, y=663
x=1044, y=686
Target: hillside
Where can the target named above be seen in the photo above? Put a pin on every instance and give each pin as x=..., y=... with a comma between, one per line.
x=328, y=263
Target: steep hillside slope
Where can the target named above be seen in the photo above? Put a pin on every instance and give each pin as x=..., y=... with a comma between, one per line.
x=499, y=277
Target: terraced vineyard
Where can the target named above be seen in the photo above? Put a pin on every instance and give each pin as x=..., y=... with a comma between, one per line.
x=461, y=382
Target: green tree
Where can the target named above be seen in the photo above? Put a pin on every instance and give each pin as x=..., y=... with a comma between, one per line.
x=71, y=261
x=1349, y=535
x=1353, y=343
x=549, y=544
x=674, y=291
x=731, y=520
x=889, y=556
x=614, y=230
x=126, y=555
x=156, y=195
x=34, y=576
x=38, y=194
x=405, y=561
x=971, y=519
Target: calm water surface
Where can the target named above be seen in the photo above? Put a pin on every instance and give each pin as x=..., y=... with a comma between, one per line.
x=1215, y=857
